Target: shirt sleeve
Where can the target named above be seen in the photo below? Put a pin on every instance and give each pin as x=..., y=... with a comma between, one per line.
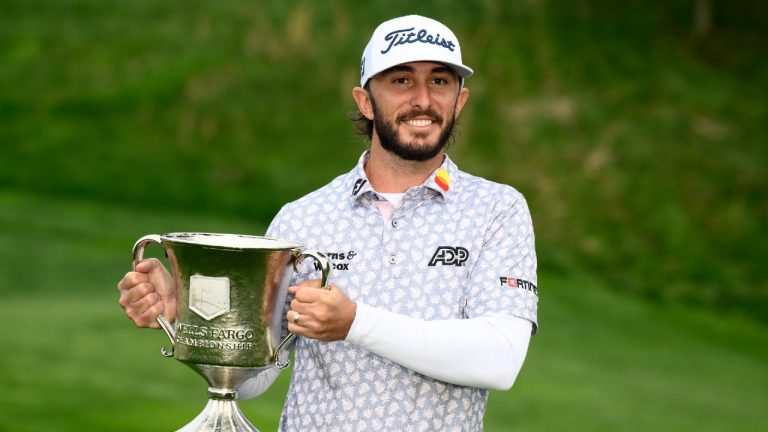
x=503, y=279
x=276, y=227
x=258, y=384
x=484, y=352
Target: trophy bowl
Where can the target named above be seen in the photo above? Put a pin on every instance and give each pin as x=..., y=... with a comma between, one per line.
x=231, y=292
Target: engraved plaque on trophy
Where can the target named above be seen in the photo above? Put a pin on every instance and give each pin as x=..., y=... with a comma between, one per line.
x=230, y=295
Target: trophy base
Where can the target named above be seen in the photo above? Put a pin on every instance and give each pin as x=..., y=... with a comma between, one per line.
x=220, y=415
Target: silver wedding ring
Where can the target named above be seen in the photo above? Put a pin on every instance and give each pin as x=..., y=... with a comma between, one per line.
x=296, y=318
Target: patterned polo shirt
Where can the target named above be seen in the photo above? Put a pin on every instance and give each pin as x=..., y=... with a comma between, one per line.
x=458, y=246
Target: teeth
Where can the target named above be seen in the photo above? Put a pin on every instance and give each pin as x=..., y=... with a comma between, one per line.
x=419, y=122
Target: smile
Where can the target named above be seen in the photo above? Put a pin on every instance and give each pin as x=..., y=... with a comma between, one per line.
x=419, y=122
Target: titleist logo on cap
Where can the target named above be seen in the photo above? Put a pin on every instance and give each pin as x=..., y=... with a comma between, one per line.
x=401, y=37
x=408, y=39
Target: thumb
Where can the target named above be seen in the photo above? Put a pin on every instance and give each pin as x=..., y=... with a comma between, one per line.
x=147, y=265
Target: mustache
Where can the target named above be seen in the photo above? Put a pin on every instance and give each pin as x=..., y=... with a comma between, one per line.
x=414, y=113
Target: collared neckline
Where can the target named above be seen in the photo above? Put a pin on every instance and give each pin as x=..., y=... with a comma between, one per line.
x=357, y=180
x=443, y=180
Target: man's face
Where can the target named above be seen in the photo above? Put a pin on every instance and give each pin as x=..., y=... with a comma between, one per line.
x=415, y=107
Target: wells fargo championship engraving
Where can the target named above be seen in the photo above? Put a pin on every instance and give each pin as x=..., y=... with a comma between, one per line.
x=230, y=291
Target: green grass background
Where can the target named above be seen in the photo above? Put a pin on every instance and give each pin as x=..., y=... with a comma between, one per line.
x=639, y=143
x=602, y=361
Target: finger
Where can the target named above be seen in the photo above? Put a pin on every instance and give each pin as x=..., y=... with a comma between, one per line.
x=297, y=329
x=294, y=317
x=309, y=283
x=149, y=318
x=135, y=293
x=143, y=304
x=307, y=294
x=144, y=312
x=131, y=279
x=298, y=326
x=305, y=326
x=147, y=265
x=298, y=306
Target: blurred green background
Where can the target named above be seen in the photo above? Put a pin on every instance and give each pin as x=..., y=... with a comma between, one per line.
x=637, y=130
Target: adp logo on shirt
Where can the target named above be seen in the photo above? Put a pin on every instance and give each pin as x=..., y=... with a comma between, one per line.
x=449, y=255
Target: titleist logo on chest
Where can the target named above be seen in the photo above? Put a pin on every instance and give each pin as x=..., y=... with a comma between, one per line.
x=408, y=36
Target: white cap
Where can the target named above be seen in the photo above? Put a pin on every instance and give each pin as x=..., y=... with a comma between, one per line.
x=408, y=39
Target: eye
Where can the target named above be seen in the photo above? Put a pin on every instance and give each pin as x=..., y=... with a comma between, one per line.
x=400, y=80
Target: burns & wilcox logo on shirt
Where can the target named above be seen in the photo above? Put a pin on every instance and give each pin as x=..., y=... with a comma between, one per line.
x=449, y=255
x=339, y=260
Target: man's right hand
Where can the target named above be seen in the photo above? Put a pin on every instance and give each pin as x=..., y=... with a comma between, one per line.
x=148, y=292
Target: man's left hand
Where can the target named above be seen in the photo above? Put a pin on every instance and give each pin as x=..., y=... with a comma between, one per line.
x=324, y=314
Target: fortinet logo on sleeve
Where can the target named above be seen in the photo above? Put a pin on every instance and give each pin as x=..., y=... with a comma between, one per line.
x=449, y=255
x=518, y=283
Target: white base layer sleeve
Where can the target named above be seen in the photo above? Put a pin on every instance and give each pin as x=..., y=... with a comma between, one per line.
x=484, y=352
x=258, y=384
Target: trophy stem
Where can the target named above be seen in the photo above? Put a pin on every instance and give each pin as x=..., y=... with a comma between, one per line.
x=230, y=292
x=221, y=414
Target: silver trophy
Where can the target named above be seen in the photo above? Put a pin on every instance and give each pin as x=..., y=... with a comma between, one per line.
x=230, y=297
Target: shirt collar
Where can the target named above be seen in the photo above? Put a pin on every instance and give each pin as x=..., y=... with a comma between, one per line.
x=357, y=182
x=443, y=180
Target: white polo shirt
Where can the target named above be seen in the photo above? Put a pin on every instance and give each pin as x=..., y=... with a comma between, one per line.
x=457, y=247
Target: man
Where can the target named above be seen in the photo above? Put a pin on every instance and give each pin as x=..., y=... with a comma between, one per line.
x=433, y=295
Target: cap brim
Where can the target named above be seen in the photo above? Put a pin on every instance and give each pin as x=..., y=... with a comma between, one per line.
x=461, y=70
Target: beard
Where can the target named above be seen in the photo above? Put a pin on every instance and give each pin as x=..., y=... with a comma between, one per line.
x=391, y=142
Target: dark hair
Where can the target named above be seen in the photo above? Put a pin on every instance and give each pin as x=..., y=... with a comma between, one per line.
x=363, y=126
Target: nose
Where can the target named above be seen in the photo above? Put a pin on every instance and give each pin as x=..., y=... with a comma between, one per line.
x=420, y=97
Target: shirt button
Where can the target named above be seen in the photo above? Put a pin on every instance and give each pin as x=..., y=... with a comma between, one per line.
x=392, y=259
x=395, y=223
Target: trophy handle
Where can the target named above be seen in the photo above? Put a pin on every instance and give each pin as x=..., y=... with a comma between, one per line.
x=326, y=270
x=138, y=256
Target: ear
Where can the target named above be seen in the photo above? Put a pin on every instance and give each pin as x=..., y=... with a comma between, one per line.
x=363, y=100
x=461, y=100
